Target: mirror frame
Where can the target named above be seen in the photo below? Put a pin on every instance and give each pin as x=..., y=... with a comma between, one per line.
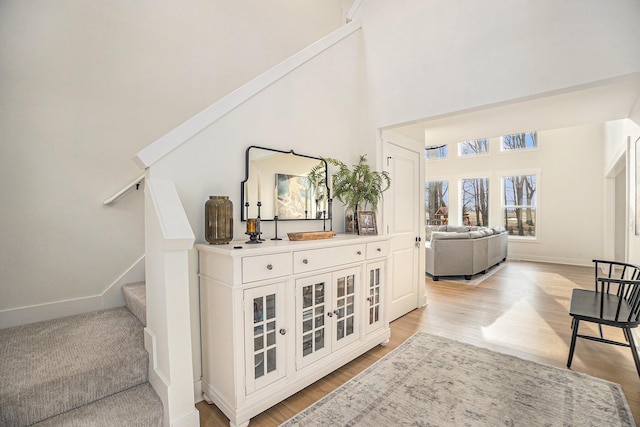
x=243, y=208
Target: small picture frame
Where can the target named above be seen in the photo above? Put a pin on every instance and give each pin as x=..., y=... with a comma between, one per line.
x=367, y=225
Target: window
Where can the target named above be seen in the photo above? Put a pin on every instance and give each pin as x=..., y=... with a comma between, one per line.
x=437, y=202
x=434, y=153
x=475, y=201
x=520, y=141
x=471, y=148
x=519, y=209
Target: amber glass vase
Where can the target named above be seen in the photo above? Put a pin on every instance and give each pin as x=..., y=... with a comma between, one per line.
x=218, y=220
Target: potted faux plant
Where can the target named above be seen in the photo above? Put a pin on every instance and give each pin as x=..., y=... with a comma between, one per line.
x=358, y=188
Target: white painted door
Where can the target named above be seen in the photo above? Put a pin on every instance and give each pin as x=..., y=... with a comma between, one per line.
x=403, y=210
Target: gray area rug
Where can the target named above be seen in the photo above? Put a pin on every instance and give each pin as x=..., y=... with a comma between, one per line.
x=435, y=381
x=475, y=279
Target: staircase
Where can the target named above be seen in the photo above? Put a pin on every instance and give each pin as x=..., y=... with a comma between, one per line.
x=88, y=369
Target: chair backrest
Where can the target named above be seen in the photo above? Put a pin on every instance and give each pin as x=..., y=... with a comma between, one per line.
x=623, y=280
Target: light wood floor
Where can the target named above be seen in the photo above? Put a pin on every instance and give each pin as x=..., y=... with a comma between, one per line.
x=520, y=310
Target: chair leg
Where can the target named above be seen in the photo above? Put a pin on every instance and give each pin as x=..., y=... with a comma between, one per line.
x=575, y=324
x=634, y=349
x=600, y=329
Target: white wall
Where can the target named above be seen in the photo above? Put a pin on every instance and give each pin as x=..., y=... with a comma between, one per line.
x=317, y=110
x=433, y=58
x=570, y=191
x=86, y=85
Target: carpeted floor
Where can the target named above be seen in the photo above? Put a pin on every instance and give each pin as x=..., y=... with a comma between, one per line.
x=52, y=367
x=435, y=381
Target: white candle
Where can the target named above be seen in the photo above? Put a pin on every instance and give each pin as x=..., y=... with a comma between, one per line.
x=246, y=192
x=259, y=187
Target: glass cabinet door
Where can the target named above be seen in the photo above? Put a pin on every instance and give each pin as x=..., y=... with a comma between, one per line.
x=345, y=318
x=312, y=315
x=264, y=345
x=374, y=293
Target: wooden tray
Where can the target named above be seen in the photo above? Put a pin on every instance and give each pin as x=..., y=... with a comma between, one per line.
x=311, y=235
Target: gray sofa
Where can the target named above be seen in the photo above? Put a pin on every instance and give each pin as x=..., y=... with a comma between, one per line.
x=465, y=251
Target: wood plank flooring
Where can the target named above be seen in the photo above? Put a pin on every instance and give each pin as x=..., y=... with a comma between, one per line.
x=519, y=310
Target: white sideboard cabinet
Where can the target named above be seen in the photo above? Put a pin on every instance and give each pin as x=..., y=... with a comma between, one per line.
x=278, y=316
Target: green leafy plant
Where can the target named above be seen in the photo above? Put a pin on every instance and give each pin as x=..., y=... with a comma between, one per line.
x=359, y=187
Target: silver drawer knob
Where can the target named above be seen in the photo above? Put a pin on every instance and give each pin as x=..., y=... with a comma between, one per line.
x=269, y=267
x=359, y=252
x=379, y=250
x=283, y=331
x=305, y=261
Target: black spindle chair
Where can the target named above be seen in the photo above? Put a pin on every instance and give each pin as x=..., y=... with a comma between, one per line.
x=615, y=301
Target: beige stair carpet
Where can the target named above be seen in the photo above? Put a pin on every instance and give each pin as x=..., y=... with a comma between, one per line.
x=52, y=367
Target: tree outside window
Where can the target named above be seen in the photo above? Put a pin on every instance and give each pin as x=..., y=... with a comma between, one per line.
x=437, y=205
x=471, y=148
x=520, y=141
x=437, y=202
x=520, y=205
x=437, y=153
x=475, y=201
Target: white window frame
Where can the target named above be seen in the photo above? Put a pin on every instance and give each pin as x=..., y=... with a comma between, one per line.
x=480, y=175
x=473, y=155
x=426, y=159
x=520, y=172
x=436, y=179
x=522, y=150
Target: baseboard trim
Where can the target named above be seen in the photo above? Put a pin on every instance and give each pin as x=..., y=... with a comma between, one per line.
x=551, y=260
x=110, y=298
x=197, y=391
x=190, y=420
x=53, y=310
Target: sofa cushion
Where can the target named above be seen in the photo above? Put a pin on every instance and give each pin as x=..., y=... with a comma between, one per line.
x=443, y=235
x=454, y=228
x=476, y=234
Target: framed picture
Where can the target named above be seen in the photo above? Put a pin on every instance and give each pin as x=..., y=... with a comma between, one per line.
x=367, y=223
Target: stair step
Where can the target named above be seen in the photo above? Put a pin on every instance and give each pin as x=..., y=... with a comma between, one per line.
x=137, y=406
x=135, y=299
x=52, y=367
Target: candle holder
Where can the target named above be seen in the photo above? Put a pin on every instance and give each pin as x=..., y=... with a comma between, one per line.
x=275, y=219
x=253, y=231
x=259, y=221
x=324, y=221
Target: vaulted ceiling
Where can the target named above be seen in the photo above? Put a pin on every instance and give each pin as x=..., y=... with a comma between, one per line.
x=597, y=103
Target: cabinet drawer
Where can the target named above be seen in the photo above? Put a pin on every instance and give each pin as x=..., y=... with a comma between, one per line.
x=377, y=249
x=263, y=267
x=316, y=259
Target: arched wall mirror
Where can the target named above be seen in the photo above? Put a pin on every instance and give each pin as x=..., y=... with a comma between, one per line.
x=289, y=185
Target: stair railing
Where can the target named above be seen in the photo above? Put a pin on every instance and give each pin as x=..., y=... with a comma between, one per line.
x=135, y=183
